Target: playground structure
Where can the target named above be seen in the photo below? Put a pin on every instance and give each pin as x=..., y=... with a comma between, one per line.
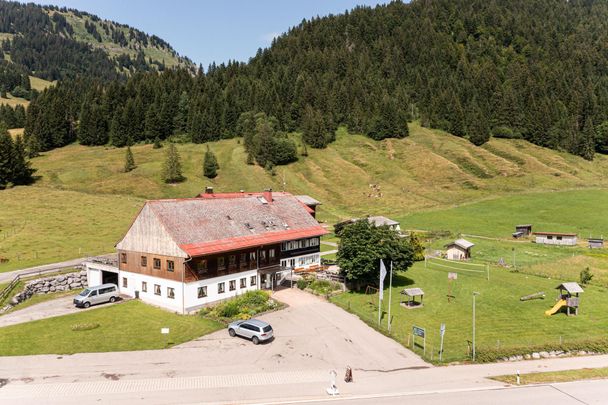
x=411, y=294
x=568, y=297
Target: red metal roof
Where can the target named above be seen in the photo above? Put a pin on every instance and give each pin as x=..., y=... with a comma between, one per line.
x=554, y=233
x=229, y=221
x=225, y=245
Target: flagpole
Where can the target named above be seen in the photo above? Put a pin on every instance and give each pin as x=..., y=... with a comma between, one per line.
x=380, y=293
x=390, y=294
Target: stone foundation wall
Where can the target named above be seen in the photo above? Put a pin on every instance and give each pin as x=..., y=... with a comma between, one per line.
x=64, y=282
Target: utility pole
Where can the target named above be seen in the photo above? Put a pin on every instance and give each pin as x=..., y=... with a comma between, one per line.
x=513, y=258
x=474, y=295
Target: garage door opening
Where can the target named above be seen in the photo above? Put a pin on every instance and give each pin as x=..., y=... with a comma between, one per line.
x=109, y=277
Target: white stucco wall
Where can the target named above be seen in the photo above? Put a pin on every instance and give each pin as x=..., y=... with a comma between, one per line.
x=191, y=300
x=456, y=253
x=565, y=240
x=94, y=276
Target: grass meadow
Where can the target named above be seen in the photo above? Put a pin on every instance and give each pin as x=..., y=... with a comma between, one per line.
x=83, y=202
x=502, y=320
x=102, y=330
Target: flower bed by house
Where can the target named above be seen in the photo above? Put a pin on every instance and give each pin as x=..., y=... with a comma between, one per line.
x=245, y=306
x=319, y=287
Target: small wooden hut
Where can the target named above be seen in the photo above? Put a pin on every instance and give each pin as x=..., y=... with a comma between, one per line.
x=596, y=243
x=460, y=249
x=411, y=294
x=525, y=229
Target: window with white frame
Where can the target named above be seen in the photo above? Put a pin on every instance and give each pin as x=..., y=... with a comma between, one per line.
x=253, y=280
x=156, y=289
x=170, y=292
x=243, y=282
x=232, y=285
x=144, y=286
x=202, y=291
x=221, y=288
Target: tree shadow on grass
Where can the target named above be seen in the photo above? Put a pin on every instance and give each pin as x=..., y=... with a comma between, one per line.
x=400, y=280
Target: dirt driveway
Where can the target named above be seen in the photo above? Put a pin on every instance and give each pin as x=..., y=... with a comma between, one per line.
x=312, y=333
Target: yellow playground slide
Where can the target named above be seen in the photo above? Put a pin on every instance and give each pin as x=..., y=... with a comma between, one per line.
x=556, y=307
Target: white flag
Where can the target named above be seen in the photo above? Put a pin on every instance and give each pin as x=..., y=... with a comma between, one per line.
x=382, y=277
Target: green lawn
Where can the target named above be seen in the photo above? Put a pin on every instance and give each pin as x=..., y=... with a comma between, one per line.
x=502, y=320
x=549, y=377
x=131, y=325
x=565, y=211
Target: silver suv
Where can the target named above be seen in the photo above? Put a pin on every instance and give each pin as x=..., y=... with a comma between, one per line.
x=96, y=295
x=254, y=329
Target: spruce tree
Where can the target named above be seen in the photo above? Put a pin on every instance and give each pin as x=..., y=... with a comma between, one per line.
x=6, y=157
x=587, y=140
x=118, y=131
x=157, y=144
x=22, y=171
x=172, y=168
x=210, y=165
x=314, y=130
x=129, y=160
x=478, y=128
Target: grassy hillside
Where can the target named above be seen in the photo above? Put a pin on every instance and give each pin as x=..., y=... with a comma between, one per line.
x=354, y=175
x=156, y=53
x=83, y=201
x=36, y=83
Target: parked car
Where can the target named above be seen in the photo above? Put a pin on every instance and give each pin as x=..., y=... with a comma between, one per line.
x=97, y=295
x=254, y=329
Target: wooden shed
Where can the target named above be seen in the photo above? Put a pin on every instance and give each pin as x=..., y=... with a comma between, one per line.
x=525, y=229
x=596, y=243
x=460, y=249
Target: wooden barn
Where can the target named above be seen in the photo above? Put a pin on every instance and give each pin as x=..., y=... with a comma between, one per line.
x=555, y=238
x=522, y=230
x=460, y=249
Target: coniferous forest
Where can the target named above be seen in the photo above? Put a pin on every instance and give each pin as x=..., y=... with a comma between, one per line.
x=531, y=69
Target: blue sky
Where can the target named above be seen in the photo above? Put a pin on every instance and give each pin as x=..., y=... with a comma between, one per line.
x=218, y=30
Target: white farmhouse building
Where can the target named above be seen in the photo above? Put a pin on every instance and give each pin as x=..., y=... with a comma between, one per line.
x=182, y=254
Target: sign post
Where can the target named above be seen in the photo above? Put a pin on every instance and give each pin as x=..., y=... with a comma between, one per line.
x=417, y=331
x=165, y=331
x=451, y=277
x=441, y=333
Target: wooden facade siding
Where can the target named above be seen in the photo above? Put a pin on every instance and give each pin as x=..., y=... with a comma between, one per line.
x=134, y=265
x=213, y=270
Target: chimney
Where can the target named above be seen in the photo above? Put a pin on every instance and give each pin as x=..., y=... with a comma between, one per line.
x=268, y=195
x=208, y=190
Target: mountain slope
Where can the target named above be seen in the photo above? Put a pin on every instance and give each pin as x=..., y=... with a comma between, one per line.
x=56, y=43
x=525, y=69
